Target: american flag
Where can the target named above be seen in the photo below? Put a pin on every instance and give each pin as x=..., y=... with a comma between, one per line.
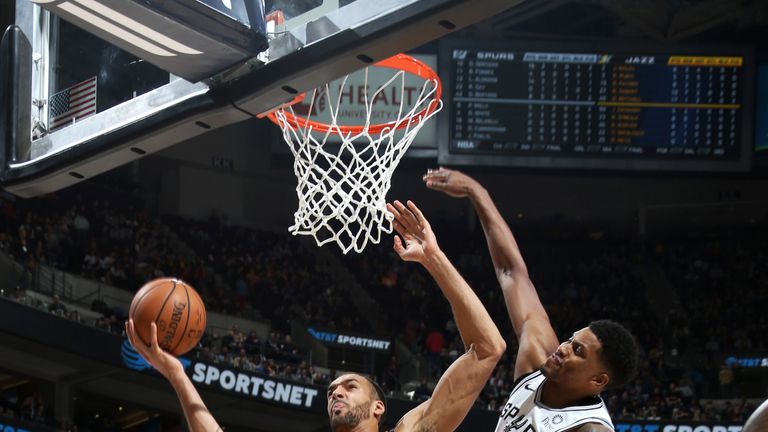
x=72, y=104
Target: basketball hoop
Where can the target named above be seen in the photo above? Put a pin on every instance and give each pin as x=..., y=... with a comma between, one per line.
x=342, y=186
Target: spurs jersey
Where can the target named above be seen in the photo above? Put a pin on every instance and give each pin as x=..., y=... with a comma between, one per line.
x=524, y=411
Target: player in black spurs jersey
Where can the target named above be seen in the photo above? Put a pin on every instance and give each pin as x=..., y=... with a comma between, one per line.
x=557, y=385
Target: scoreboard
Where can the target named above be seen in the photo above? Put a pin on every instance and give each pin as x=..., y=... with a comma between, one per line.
x=596, y=106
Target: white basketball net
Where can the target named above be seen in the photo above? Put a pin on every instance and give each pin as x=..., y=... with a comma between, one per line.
x=342, y=187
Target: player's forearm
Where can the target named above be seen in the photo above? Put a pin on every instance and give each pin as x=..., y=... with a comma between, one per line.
x=472, y=320
x=198, y=417
x=520, y=296
x=502, y=246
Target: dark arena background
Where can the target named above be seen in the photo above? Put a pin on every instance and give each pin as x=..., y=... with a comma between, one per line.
x=625, y=143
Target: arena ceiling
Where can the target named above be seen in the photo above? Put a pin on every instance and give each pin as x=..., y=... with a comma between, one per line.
x=709, y=21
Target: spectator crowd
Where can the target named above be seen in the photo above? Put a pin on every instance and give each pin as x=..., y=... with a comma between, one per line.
x=712, y=282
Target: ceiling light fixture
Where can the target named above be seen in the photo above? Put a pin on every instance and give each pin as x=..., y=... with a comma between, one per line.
x=138, y=27
x=115, y=30
x=192, y=39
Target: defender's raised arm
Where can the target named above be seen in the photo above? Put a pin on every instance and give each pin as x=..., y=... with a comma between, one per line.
x=530, y=321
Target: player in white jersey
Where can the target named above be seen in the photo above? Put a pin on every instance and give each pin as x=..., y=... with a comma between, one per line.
x=557, y=385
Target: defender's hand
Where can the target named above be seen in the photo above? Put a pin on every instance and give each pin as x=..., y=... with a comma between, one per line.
x=450, y=182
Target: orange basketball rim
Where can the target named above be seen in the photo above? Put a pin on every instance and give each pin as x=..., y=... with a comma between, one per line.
x=398, y=62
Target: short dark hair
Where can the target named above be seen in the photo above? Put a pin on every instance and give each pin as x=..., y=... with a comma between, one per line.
x=379, y=395
x=619, y=351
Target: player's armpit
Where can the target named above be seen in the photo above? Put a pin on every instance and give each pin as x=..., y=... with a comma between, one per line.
x=536, y=344
x=592, y=427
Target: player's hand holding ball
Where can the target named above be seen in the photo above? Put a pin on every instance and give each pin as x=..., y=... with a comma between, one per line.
x=163, y=362
x=166, y=319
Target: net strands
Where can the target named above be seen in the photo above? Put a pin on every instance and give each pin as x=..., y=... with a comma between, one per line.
x=342, y=187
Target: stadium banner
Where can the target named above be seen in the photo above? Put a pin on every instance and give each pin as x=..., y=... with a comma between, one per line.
x=226, y=379
x=257, y=386
x=349, y=340
x=674, y=426
x=747, y=362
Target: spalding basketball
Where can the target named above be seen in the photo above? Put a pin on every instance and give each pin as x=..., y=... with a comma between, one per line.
x=177, y=310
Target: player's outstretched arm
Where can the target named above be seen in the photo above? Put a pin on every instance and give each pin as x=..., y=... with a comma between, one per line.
x=461, y=384
x=198, y=417
x=530, y=321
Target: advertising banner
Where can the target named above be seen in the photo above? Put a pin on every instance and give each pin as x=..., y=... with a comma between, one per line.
x=257, y=386
x=670, y=426
x=747, y=362
x=251, y=385
x=347, y=340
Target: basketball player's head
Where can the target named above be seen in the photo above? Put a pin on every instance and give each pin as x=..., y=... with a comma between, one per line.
x=355, y=400
x=601, y=356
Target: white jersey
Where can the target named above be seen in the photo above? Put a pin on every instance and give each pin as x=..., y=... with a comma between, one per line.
x=524, y=411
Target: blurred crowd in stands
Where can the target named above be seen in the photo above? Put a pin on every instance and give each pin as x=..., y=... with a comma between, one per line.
x=275, y=356
x=687, y=316
x=24, y=403
x=107, y=240
x=113, y=242
x=280, y=274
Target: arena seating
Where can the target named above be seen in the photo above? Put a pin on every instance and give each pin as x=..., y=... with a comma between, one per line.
x=581, y=274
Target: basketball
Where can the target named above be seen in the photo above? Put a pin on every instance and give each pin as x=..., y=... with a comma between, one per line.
x=176, y=308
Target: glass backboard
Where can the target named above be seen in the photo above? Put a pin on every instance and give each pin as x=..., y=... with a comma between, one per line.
x=94, y=105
